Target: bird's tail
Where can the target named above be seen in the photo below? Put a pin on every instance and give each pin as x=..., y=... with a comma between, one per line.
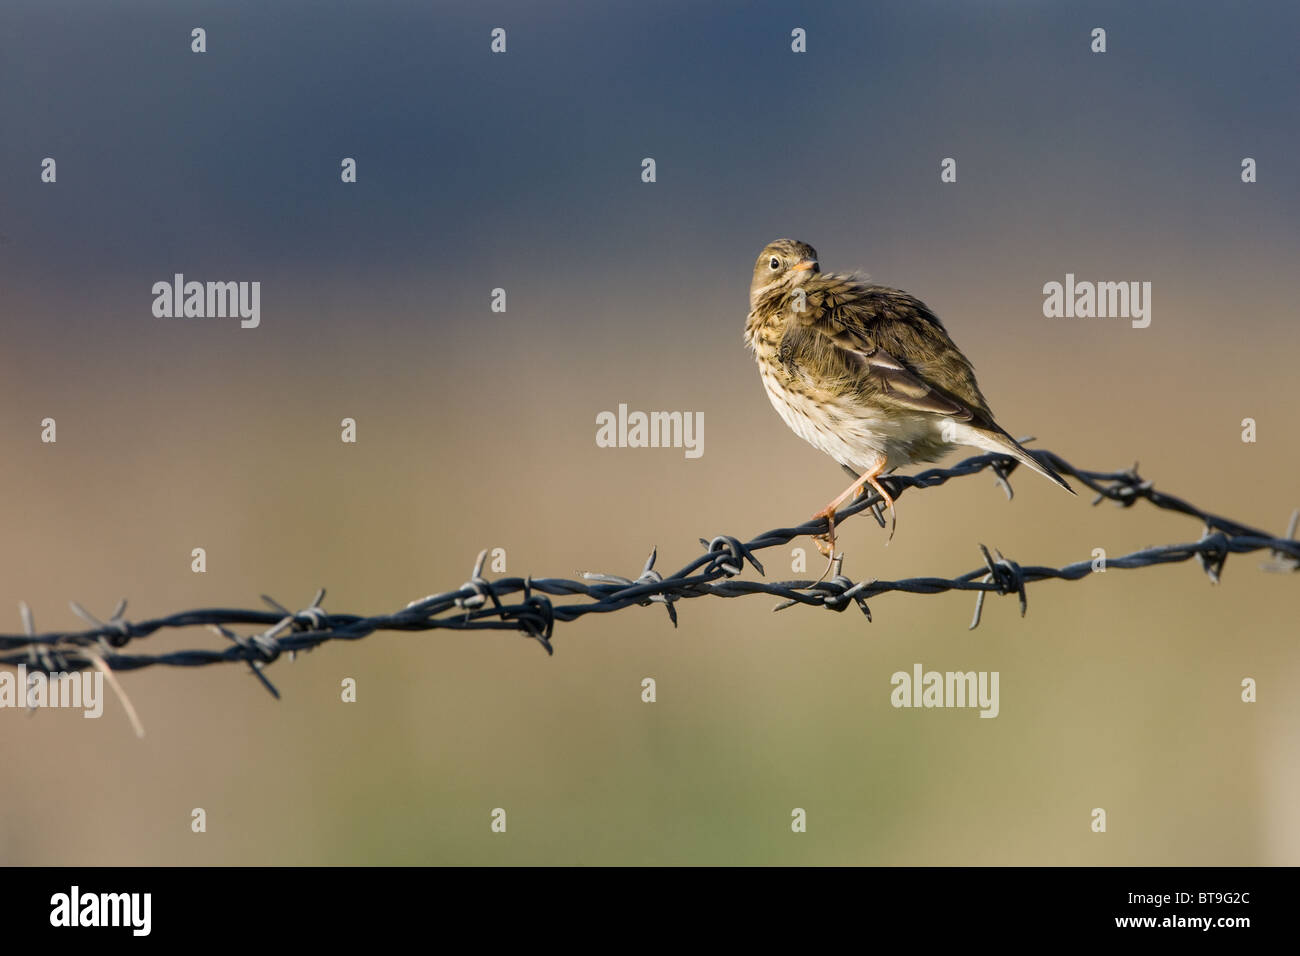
x=1003, y=444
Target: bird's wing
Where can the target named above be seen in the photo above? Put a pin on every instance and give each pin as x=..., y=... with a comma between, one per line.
x=900, y=346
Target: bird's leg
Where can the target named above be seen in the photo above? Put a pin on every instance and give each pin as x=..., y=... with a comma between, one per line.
x=857, y=488
x=829, y=514
x=878, y=509
x=826, y=543
x=870, y=478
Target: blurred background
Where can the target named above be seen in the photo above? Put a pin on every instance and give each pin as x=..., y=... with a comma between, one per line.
x=477, y=429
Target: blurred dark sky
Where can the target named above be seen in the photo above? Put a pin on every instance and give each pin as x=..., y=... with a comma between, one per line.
x=228, y=162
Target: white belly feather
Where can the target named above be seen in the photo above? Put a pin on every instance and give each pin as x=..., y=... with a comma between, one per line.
x=856, y=435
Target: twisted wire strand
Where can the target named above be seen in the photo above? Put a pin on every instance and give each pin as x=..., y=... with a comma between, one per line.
x=525, y=604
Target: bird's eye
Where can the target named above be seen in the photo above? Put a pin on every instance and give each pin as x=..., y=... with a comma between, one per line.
x=775, y=263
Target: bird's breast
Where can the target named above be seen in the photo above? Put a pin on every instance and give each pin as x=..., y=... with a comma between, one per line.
x=853, y=432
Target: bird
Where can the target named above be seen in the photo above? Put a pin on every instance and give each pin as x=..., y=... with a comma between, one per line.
x=865, y=373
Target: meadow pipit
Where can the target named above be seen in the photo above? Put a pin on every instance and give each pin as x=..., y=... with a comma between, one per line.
x=865, y=373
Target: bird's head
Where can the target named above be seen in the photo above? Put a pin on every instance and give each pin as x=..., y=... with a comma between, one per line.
x=781, y=267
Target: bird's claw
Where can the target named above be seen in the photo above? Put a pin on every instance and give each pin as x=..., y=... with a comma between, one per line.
x=826, y=545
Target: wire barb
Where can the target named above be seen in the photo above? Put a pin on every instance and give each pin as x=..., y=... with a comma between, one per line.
x=480, y=604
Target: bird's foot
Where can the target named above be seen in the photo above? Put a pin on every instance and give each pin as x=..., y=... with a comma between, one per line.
x=878, y=508
x=826, y=542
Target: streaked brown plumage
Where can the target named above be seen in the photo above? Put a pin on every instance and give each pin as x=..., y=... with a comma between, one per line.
x=866, y=373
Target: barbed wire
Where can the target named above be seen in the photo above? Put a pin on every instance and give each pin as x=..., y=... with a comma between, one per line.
x=480, y=604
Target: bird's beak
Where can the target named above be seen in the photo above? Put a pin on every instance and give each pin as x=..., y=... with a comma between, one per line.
x=805, y=265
